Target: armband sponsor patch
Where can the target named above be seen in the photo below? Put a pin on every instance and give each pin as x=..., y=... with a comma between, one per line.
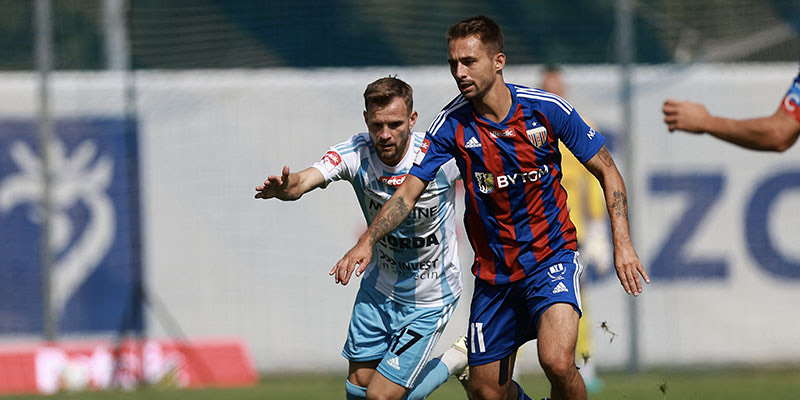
x=423, y=149
x=331, y=159
x=791, y=103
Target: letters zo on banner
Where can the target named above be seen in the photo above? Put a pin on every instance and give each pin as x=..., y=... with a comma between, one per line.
x=93, y=231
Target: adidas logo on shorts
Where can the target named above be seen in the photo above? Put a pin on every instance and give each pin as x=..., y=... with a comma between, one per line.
x=394, y=363
x=560, y=288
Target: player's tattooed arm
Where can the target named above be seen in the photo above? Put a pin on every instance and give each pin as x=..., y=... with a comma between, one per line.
x=620, y=204
x=605, y=157
x=391, y=215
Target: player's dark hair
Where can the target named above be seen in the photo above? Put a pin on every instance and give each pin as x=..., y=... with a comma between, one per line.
x=482, y=26
x=381, y=92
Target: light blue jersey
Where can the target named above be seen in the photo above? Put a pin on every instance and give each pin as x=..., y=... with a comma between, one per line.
x=416, y=264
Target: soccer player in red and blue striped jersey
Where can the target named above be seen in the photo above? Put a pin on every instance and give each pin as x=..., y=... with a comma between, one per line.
x=504, y=139
x=777, y=132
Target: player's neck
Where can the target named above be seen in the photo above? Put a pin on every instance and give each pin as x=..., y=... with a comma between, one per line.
x=496, y=103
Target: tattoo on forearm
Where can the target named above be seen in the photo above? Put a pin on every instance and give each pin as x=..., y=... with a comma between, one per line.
x=620, y=204
x=396, y=211
x=605, y=157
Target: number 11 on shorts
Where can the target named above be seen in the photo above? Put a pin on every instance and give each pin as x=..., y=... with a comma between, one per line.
x=476, y=334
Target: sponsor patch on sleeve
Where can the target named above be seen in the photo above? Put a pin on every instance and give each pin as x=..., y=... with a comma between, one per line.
x=791, y=103
x=331, y=159
x=423, y=149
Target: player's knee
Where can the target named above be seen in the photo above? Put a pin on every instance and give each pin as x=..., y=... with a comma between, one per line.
x=487, y=392
x=557, y=364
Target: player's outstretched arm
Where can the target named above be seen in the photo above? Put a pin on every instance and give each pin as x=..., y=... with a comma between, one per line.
x=389, y=217
x=626, y=261
x=777, y=132
x=289, y=186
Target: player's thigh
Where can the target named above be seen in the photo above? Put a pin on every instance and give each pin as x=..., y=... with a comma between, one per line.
x=558, y=335
x=361, y=373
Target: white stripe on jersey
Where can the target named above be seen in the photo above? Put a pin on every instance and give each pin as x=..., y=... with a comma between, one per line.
x=544, y=96
x=457, y=103
x=527, y=96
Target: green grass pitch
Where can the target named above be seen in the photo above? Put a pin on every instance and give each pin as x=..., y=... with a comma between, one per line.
x=735, y=384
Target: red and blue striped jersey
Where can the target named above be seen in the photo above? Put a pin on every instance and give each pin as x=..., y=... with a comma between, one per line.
x=791, y=102
x=516, y=212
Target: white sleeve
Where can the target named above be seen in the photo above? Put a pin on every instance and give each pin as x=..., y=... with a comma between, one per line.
x=339, y=162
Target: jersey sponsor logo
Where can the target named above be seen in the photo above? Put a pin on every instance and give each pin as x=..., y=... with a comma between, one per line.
x=410, y=242
x=472, y=143
x=507, y=133
x=521, y=177
x=393, y=180
x=331, y=159
x=591, y=133
x=416, y=212
x=423, y=149
x=791, y=102
x=485, y=182
x=561, y=287
x=537, y=136
x=413, y=269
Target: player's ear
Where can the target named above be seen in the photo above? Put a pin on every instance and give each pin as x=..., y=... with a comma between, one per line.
x=412, y=120
x=499, y=61
x=366, y=118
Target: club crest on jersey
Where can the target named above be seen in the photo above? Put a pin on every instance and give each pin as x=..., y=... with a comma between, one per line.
x=423, y=149
x=506, y=133
x=485, y=182
x=538, y=136
x=331, y=159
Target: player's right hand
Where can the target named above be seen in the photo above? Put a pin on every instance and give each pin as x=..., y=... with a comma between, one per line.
x=355, y=260
x=275, y=186
x=685, y=116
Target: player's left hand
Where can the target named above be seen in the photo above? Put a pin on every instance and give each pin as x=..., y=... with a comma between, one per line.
x=355, y=260
x=629, y=269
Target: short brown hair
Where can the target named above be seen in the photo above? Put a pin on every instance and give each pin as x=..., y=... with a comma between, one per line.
x=482, y=26
x=381, y=92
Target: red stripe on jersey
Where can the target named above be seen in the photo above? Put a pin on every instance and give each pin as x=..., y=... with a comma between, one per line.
x=537, y=221
x=567, y=227
x=493, y=160
x=484, y=266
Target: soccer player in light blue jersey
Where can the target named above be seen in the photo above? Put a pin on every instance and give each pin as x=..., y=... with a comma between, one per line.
x=777, y=132
x=504, y=138
x=412, y=283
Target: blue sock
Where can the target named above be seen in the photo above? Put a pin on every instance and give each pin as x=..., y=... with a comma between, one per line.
x=355, y=392
x=432, y=376
x=521, y=393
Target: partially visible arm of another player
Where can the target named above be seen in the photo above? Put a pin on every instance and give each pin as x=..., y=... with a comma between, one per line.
x=290, y=186
x=776, y=132
x=389, y=217
x=626, y=261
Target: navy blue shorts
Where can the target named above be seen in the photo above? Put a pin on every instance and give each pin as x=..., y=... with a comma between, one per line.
x=504, y=317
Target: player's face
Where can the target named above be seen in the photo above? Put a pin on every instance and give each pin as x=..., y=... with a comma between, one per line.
x=474, y=70
x=390, y=129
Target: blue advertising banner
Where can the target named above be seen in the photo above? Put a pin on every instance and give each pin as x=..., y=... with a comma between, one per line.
x=94, y=226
